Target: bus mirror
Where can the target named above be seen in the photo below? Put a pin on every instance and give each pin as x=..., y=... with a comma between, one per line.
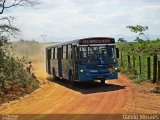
x=117, y=52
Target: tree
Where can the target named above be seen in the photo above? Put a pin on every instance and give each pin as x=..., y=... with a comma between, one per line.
x=140, y=30
x=122, y=40
x=6, y=4
x=13, y=69
x=5, y=25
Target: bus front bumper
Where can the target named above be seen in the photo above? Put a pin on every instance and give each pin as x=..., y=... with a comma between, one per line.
x=90, y=76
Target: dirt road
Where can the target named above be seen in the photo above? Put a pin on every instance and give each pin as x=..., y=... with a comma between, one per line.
x=117, y=96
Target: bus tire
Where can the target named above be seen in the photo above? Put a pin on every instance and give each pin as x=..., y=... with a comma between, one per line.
x=103, y=82
x=71, y=78
x=54, y=74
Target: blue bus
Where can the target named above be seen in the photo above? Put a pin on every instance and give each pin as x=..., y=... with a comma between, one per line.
x=86, y=59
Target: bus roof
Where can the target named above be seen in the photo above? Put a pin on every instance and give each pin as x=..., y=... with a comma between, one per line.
x=79, y=41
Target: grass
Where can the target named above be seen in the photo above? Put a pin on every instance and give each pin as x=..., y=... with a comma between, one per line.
x=135, y=49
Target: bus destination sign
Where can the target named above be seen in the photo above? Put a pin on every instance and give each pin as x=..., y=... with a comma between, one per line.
x=96, y=41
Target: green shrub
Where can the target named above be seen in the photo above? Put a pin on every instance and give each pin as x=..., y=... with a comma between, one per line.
x=15, y=78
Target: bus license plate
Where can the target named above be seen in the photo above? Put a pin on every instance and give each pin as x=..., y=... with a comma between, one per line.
x=100, y=76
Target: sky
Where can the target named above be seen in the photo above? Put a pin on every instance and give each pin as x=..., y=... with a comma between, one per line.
x=63, y=20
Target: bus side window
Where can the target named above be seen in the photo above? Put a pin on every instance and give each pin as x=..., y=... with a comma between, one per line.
x=64, y=52
x=81, y=54
x=69, y=51
x=52, y=53
x=55, y=53
x=84, y=54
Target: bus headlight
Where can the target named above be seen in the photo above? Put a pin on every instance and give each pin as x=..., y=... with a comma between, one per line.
x=81, y=71
x=116, y=69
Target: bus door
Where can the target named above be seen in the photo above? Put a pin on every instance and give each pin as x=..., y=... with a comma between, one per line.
x=75, y=62
x=48, y=58
x=59, y=56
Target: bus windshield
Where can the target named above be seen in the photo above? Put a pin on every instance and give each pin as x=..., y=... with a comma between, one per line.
x=97, y=55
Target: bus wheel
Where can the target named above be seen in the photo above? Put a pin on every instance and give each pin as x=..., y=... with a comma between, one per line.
x=71, y=78
x=103, y=82
x=53, y=74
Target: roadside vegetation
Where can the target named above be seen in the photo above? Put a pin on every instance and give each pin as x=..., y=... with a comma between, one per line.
x=138, y=52
x=139, y=59
x=16, y=75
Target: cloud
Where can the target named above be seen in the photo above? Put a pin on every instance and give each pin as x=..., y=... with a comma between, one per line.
x=78, y=18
